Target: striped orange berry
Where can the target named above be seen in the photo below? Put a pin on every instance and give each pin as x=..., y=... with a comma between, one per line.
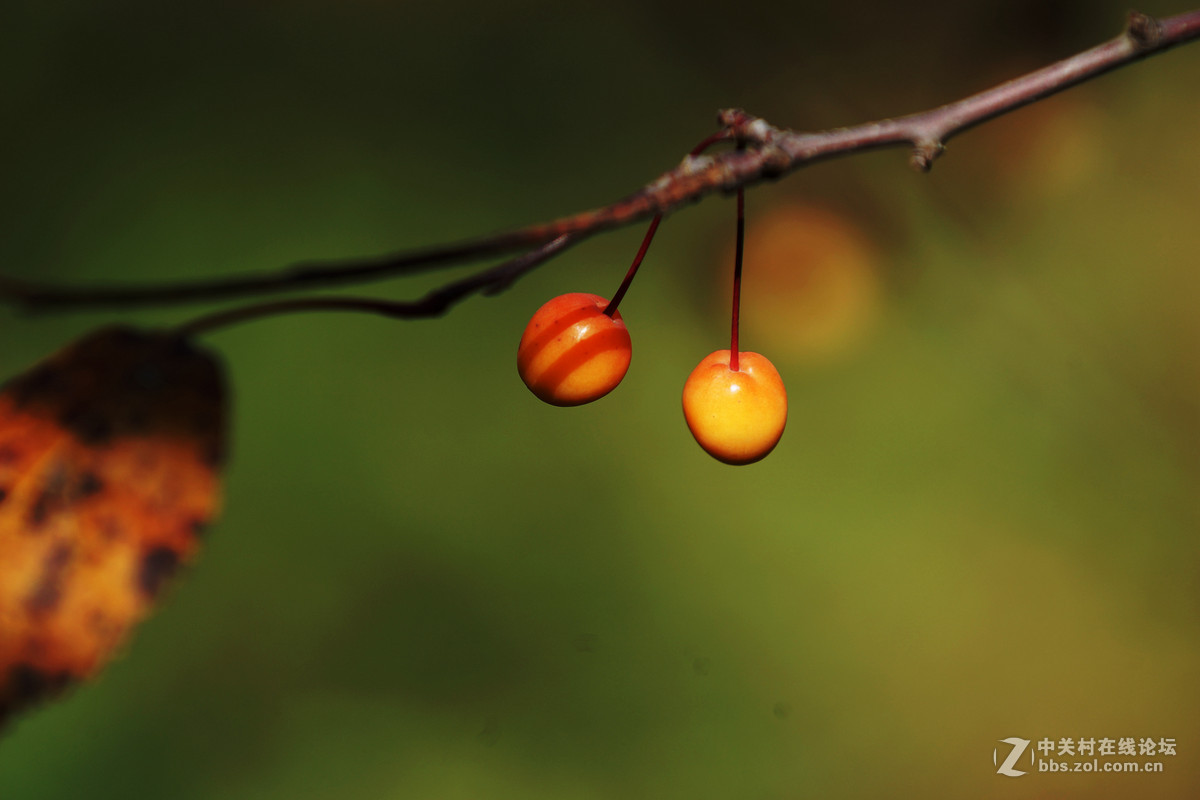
x=572, y=352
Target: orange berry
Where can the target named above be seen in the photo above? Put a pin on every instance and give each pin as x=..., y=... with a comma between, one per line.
x=739, y=416
x=572, y=352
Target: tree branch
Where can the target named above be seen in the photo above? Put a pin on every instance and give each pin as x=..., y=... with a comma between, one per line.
x=433, y=304
x=770, y=152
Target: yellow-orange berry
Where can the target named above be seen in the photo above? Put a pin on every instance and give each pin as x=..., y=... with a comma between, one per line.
x=572, y=352
x=739, y=416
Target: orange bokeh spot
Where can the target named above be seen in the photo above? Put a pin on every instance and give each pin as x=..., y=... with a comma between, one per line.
x=811, y=287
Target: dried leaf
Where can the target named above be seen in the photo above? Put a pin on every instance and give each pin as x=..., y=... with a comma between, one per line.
x=109, y=459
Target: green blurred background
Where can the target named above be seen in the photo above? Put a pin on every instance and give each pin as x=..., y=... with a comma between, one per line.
x=981, y=522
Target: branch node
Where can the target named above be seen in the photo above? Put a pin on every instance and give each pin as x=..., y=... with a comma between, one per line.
x=1144, y=31
x=732, y=117
x=775, y=161
x=924, y=153
x=747, y=127
x=691, y=165
x=758, y=130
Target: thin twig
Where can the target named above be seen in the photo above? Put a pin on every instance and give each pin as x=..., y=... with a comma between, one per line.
x=771, y=152
x=928, y=131
x=433, y=304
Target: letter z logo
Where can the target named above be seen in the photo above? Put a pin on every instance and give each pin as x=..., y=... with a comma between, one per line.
x=1018, y=748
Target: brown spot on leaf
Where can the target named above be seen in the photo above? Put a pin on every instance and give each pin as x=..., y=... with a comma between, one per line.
x=121, y=381
x=39, y=511
x=61, y=490
x=49, y=498
x=158, y=566
x=88, y=485
x=198, y=527
x=28, y=683
x=49, y=588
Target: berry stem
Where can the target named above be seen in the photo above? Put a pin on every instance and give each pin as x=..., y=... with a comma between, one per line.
x=737, y=277
x=720, y=136
x=633, y=268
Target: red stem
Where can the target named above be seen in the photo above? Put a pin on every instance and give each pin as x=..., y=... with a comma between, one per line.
x=737, y=278
x=611, y=308
x=633, y=268
x=719, y=136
